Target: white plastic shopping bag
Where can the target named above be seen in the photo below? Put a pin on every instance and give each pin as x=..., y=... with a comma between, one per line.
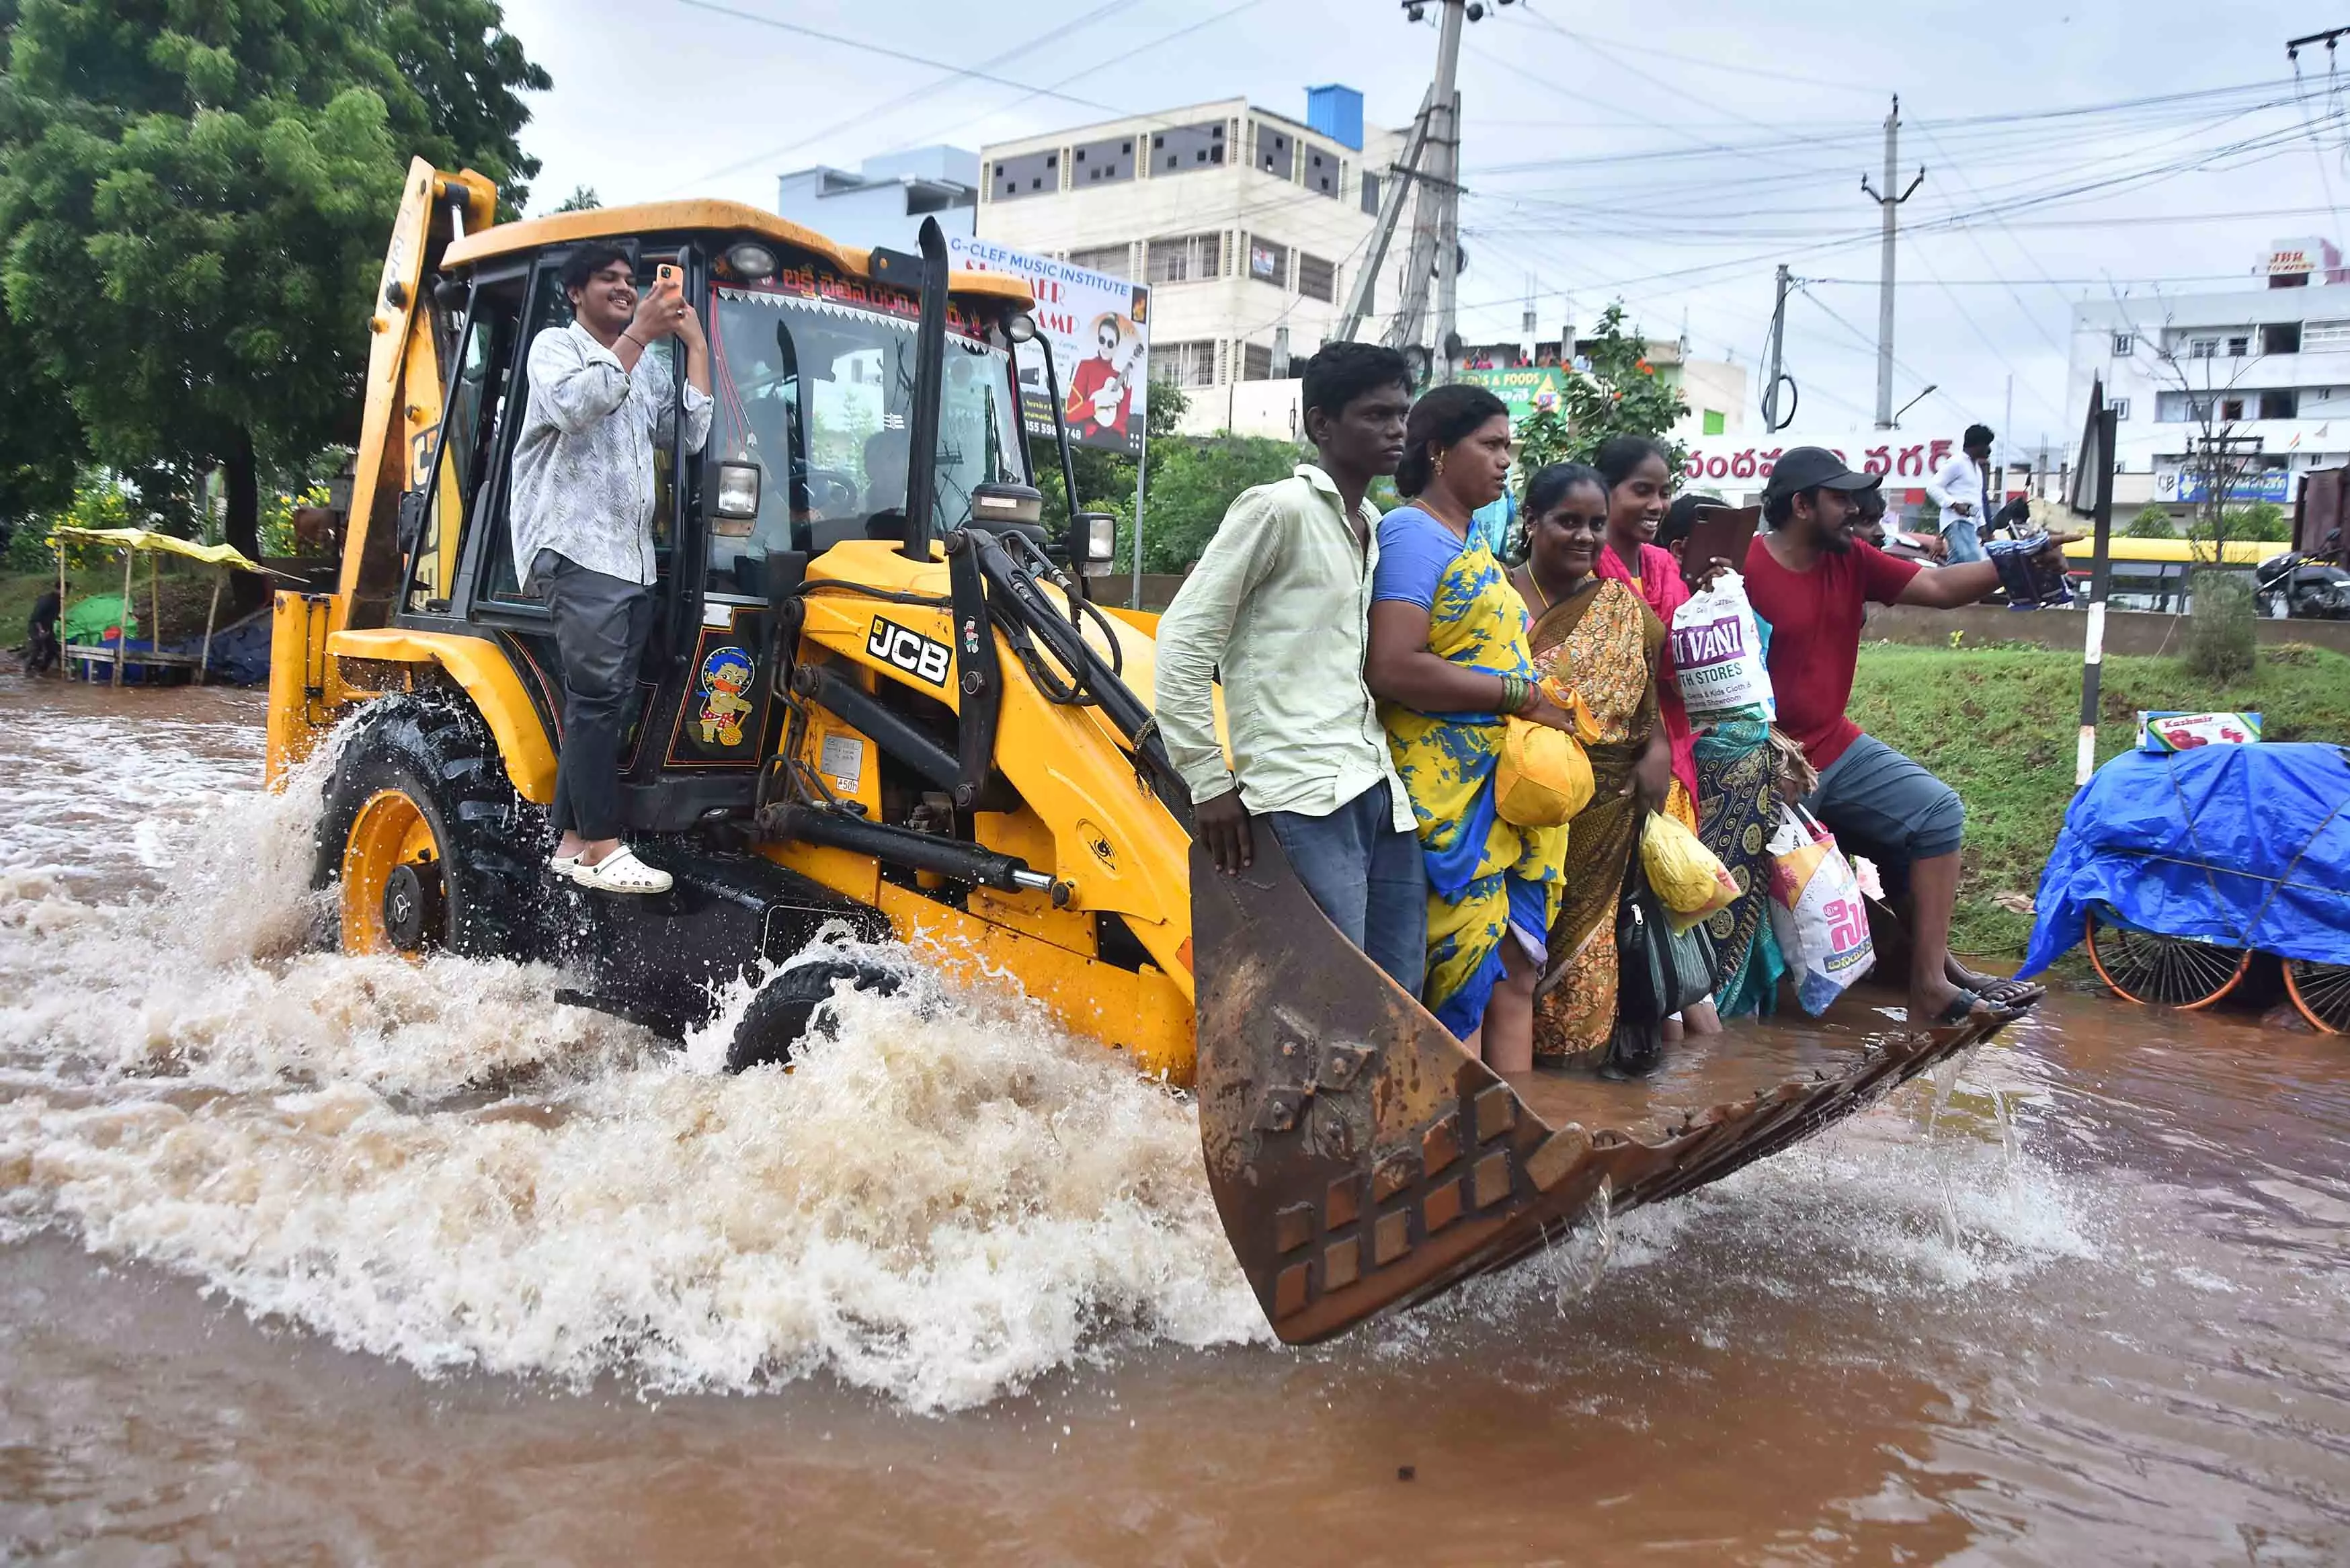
x=1817, y=910
x=1718, y=655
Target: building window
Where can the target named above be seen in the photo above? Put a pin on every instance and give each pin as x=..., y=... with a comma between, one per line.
x=1715, y=421
x=1187, y=148
x=2240, y=347
x=1268, y=262
x=1316, y=278
x=1184, y=364
x=1111, y=259
x=1256, y=362
x=1032, y=175
x=1276, y=154
x=1322, y=173
x=1102, y=162
x=1186, y=258
x=2277, y=405
x=2231, y=409
x=1371, y=195
x=2123, y=345
x=2120, y=407
x=2202, y=347
x=2281, y=338
x=2325, y=335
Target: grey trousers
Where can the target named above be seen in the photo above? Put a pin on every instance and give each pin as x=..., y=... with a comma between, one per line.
x=601, y=624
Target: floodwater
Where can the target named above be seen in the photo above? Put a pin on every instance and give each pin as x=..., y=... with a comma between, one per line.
x=312, y=1259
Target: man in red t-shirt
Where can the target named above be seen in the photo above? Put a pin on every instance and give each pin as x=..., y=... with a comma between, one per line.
x=1813, y=580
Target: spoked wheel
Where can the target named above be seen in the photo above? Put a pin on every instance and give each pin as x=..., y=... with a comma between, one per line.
x=2165, y=972
x=2322, y=992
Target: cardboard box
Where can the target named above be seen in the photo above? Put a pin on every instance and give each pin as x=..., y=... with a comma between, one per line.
x=2166, y=731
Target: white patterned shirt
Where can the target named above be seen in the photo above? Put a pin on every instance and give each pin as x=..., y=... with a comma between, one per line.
x=583, y=467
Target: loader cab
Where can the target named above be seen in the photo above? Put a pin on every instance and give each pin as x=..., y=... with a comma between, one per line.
x=812, y=382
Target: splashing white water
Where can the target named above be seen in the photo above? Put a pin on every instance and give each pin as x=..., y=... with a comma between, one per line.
x=434, y=1161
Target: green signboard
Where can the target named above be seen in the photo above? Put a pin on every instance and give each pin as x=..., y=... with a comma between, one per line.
x=1524, y=389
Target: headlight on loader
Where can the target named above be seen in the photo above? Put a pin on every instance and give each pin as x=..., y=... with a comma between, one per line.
x=738, y=490
x=1097, y=542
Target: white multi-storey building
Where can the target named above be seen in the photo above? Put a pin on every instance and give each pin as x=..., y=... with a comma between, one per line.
x=2266, y=367
x=1247, y=225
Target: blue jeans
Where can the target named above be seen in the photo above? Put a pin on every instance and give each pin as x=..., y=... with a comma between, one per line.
x=1960, y=534
x=1368, y=877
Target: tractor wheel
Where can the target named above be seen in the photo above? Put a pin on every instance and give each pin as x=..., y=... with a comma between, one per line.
x=424, y=839
x=2165, y=972
x=788, y=1006
x=2322, y=992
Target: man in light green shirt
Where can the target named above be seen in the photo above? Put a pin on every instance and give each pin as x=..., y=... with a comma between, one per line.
x=1279, y=606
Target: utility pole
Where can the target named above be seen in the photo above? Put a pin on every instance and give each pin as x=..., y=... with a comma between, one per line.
x=1435, y=224
x=1775, y=371
x=1889, y=205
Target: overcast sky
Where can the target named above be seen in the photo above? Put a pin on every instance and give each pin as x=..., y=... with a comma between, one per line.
x=1727, y=137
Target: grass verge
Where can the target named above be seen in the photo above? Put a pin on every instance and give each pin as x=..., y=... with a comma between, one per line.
x=2000, y=727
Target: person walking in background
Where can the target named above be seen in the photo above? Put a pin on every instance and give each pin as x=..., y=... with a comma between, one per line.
x=600, y=402
x=1962, y=488
x=1811, y=579
x=1280, y=603
x=1449, y=664
x=1598, y=647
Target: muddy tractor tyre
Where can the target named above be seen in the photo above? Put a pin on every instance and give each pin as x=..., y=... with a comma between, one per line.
x=424, y=841
x=786, y=1007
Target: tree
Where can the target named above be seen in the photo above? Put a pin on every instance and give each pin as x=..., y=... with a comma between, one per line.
x=1621, y=395
x=583, y=199
x=1188, y=494
x=2151, y=522
x=40, y=439
x=195, y=201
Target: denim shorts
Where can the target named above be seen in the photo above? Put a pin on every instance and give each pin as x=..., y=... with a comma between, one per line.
x=1882, y=804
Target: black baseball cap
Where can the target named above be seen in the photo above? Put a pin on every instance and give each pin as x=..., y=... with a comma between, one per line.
x=1805, y=468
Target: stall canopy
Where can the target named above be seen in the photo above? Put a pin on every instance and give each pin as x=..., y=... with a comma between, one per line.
x=2248, y=846
x=148, y=539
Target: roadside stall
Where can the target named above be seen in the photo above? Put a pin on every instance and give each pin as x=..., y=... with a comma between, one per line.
x=86, y=654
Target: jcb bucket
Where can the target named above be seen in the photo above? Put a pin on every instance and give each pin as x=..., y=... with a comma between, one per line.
x=1361, y=1160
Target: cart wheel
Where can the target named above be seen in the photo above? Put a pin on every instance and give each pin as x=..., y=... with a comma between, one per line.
x=2322, y=992
x=2166, y=971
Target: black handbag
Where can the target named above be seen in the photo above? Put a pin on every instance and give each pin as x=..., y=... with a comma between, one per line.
x=1658, y=973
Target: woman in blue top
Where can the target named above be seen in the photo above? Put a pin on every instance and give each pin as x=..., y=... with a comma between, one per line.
x=1449, y=662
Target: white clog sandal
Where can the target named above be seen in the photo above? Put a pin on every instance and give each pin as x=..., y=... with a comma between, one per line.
x=621, y=872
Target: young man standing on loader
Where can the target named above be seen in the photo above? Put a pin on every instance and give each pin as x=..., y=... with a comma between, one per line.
x=583, y=513
x=1280, y=606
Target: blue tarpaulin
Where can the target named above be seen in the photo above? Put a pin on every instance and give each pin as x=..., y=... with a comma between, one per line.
x=2248, y=846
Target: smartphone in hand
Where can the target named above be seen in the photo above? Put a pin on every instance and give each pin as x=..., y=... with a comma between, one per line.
x=670, y=276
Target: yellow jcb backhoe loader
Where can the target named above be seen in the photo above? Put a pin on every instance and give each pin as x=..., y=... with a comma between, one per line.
x=878, y=693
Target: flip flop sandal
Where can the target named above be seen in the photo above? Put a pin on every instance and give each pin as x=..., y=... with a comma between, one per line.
x=2002, y=991
x=621, y=872
x=1962, y=1009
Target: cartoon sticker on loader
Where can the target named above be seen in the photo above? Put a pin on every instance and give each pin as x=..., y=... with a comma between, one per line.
x=725, y=675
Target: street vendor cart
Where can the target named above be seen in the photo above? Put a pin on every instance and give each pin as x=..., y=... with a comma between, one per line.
x=2180, y=869
x=154, y=664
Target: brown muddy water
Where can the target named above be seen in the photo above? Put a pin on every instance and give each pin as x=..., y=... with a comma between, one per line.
x=309, y=1259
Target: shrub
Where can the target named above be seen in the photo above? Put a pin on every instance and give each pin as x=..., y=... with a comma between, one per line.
x=2220, y=644
x=2153, y=523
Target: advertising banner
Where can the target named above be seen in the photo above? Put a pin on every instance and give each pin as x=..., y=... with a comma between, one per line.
x=1524, y=388
x=1098, y=328
x=2191, y=485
